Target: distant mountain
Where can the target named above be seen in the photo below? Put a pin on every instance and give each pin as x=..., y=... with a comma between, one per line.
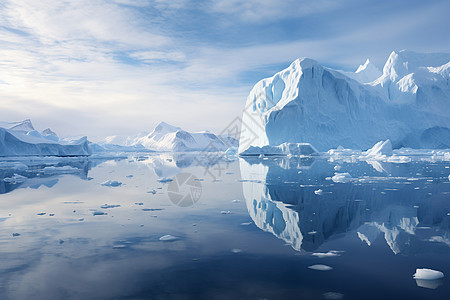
x=166, y=137
x=21, y=139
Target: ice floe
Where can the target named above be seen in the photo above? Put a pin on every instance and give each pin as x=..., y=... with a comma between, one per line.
x=112, y=183
x=168, y=238
x=320, y=267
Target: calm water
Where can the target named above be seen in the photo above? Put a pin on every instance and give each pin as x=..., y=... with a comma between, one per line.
x=244, y=229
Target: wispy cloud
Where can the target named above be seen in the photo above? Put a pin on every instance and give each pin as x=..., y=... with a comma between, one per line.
x=105, y=67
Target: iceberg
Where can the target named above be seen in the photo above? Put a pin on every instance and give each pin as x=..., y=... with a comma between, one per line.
x=166, y=137
x=21, y=139
x=409, y=104
x=428, y=274
x=293, y=149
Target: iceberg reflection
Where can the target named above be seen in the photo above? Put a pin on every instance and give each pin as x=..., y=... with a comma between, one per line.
x=406, y=206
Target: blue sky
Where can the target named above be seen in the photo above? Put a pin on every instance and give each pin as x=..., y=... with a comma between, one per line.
x=121, y=66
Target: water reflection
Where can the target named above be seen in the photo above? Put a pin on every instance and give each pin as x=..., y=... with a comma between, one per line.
x=297, y=201
x=34, y=173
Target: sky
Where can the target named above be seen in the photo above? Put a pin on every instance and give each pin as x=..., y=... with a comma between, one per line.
x=100, y=68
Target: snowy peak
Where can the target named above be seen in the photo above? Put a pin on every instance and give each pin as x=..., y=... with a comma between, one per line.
x=48, y=131
x=365, y=73
x=163, y=127
x=24, y=125
x=402, y=63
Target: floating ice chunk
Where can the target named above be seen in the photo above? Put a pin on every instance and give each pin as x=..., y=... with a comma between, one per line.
x=236, y=201
x=139, y=203
x=428, y=274
x=168, y=238
x=151, y=192
x=98, y=213
x=318, y=192
x=382, y=148
x=448, y=177
x=320, y=267
x=331, y=253
x=333, y=296
x=16, y=178
x=129, y=176
x=109, y=206
x=41, y=214
x=293, y=149
x=165, y=180
x=337, y=168
x=16, y=234
x=341, y=177
x=245, y=223
x=111, y=183
x=225, y=212
x=152, y=209
x=235, y=250
x=119, y=246
x=63, y=169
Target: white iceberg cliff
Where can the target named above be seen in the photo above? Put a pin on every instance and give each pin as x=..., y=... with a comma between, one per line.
x=409, y=104
x=21, y=139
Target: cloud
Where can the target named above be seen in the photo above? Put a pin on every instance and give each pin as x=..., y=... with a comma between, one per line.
x=109, y=67
x=268, y=11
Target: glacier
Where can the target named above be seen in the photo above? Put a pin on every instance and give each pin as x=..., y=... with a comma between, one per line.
x=166, y=137
x=21, y=139
x=408, y=104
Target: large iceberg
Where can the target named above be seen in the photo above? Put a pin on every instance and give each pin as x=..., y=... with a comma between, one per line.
x=21, y=139
x=166, y=137
x=409, y=104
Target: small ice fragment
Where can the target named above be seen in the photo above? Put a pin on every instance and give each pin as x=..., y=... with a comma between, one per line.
x=341, y=177
x=333, y=296
x=41, y=214
x=416, y=206
x=139, y=203
x=428, y=274
x=168, y=238
x=111, y=183
x=16, y=234
x=236, y=201
x=98, y=213
x=318, y=192
x=312, y=232
x=225, y=212
x=129, y=176
x=51, y=215
x=81, y=220
x=337, y=168
x=61, y=242
x=152, y=209
x=165, y=180
x=330, y=253
x=105, y=206
x=320, y=267
x=119, y=246
x=246, y=223
x=16, y=178
x=151, y=192
x=449, y=177
x=235, y=250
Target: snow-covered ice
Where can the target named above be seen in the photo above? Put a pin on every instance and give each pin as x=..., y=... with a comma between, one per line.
x=168, y=238
x=20, y=138
x=331, y=253
x=320, y=267
x=409, y=104
x=112, y=183
x=428, y=274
